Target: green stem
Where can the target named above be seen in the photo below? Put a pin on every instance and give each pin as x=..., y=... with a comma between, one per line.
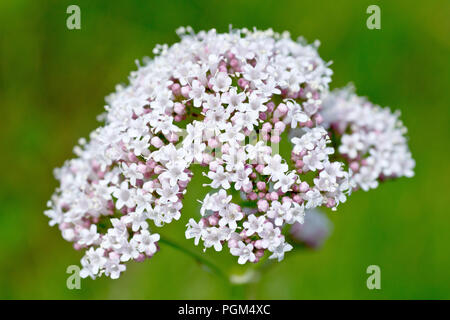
x=198, y=258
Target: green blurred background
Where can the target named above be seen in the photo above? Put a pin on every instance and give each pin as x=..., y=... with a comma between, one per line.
x=52, y=86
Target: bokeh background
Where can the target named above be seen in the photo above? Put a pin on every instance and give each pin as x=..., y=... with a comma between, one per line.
x=52, y=86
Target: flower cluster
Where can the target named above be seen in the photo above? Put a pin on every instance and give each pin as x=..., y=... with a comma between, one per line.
x=221, y=101
x=371, y=139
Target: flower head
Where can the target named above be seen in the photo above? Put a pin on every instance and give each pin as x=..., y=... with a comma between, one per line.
x=204, y=101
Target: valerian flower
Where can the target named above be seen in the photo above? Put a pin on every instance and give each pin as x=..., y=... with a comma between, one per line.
x=201, y=102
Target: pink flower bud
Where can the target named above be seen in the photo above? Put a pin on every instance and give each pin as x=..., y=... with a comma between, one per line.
x=142, y=168
x=259, y=253
x=304, y=187
x=185, y=91
x=273, y=196
x=261, y=185
x=233, y=243
x=354, y=165
x=263, y=205
x=156, y=142
x=140, y=258
x=132, y=157
x=179, y=108
x=275, y=139
x=299, y=164
x=213, y=220
x=248, y=187
x=242, y=83
x=173, y=137
x=270, y=106
x=253, y=196
x=331, y=202
x=213, y=143
x=263, y=116
x=282, y=108
x=234, y=63
x=258, y=244
x=176, y=89
x=318, y=118
x=280, y=126
x=259, y=168
x=297, y=198
x=266, y=127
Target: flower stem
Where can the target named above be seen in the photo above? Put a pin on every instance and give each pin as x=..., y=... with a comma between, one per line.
x=209, y=266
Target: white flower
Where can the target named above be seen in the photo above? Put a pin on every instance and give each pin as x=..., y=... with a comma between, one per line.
x=195, y=230
x=221, y=82
x=233, y=99
x=155, y=214
x=314, y=198
x=269, y=87
x=325, y=182
x=254, y=224
x=143, y=201
x=213, y=61
x=213, y=237
x=351, y=144
x=175, y=172
x=278, y=212
x=89, y=236
x=141, y=146
x=124, y=195
x=197, y=93
x=168, y=153
x=230, y=216
x=113, y=239
x=309, y=140
x=256, y=73
x=244, y=252
x=285, y=181
x=137, y=220
x=219, y=178
x=216, y=202
x=366, y=178
x=163, y=101
x=292, y=80
x=270, y=235
x=197, y=149
x=314, y=160
x=168, y=193
x=146, y=242
x=257, y=152
x=248, y=120
x=279, y=250
x=182, y=72
x=296, y=114
x=334, y=170
x=234, y=159
x=92, y=262
x=241, y=177
x=275, y=167
x=296, y=213
x=212, y=102
x=128, y=251
x=231, y=134
x=113, y=268
x=256, y=103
